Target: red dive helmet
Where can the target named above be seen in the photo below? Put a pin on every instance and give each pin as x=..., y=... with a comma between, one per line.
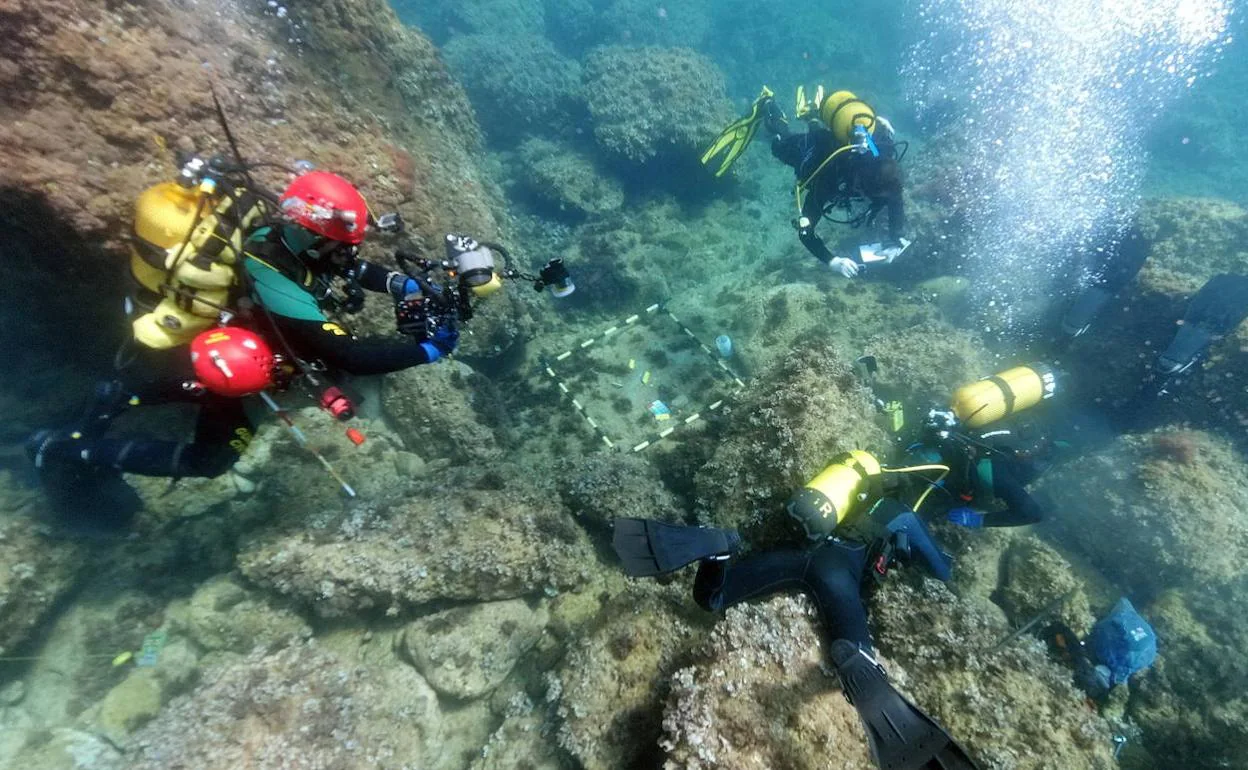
x=232, y=361
x=328, y=205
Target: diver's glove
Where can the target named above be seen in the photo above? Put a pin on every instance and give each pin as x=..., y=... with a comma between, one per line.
x=965, y=517
x=445, y=338
x=845, y=266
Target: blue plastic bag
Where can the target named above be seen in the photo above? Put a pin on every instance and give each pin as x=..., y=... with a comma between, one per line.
x=1123, y=642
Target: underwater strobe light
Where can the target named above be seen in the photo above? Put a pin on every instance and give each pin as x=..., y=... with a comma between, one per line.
x=555, y=275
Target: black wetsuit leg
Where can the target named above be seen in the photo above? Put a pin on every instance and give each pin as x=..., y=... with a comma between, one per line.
x=830, y=573
x=1009, y=483
x=222, y=433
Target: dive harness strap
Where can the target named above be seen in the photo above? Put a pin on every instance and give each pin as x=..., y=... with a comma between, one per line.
x=1006, y=392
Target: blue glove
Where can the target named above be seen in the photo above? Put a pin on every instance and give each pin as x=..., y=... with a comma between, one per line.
x=445, y=338
x=965, y=517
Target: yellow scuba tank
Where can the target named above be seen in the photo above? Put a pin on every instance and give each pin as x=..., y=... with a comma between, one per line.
x=841, y=111
x=187, y=241
x=1001, y=395
x=835, y=494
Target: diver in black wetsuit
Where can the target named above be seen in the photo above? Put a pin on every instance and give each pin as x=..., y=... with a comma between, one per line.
x=831, y=177
x=832, y=572
x=996, y=465
x=288, y=265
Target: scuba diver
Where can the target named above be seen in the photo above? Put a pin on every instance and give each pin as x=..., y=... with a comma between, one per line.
x=984, y=467
x=1215, y=311
x=273, y=270
x=1117, y=263
x=833, y=571
x=846, y=160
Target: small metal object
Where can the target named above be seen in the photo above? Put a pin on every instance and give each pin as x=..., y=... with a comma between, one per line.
x=1119, y=741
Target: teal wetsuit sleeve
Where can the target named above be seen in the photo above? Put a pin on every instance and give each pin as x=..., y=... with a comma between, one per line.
x=280, y=295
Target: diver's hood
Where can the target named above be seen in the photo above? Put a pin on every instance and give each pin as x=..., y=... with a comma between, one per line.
x=1085, y=308
x=1189, y=342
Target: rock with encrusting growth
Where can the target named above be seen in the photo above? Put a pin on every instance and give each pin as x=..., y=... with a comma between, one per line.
x=1034, y=576
x=35, y=571
x=683, y=91
x=1156, y=511
x=780, y=436
x=600, y=487
x=441, y=544
x=1000, y=705
x=468, y=651
x=225, y=615
x=299, y=707
x=445, y=411
x=610, y=687
x=758, y=697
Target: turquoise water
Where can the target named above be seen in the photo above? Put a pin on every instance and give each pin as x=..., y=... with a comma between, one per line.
x=436, y=582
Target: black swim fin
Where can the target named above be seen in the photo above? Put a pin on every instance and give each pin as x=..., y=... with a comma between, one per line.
x=900, y=736
x=647, y=547
x=1216, y=310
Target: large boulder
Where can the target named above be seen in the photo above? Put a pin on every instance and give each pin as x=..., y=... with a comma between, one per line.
x=653, y=103
x=565, y=181
x=443, y=544
x=1191, y=703
x=468, y=651
x=37, y=571
x=758, y=696
x=1156, y=511
x=299, y=707
x=519, y=84
x=445, y=412
x=224, y=615
x=610, y=687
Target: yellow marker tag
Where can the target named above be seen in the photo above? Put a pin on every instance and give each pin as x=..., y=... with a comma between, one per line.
x=334, y=329
x=645, y=378
x=123, y=658
x=662, y=416
x=632, y=364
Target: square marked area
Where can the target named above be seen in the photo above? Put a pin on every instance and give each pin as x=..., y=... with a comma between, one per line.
x=643, y=379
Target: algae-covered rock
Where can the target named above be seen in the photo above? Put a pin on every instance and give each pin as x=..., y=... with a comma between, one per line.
x=924, y=364
x=1195, y=239
x=650, y=102
x=35, y=572
x=673, y=22
x=1190, y=704
x=565, y=179
x=296, y=708
x=443, y=543
x=448, y=18
x=68, y=749
x=224, y=615
x=758, y=696
x=600, y=487
x=519, y=84
x=1013, y=708
x=444, y=411
x=780, y=435
x=1034, y=576
x=135, y=700
x=468, y=651
x=610, y=687
x=1157, y=510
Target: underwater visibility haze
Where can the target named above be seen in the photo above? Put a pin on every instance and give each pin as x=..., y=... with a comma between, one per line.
x=621, y=384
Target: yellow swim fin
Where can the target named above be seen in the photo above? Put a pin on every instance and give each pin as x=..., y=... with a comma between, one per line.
x=737, y=135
